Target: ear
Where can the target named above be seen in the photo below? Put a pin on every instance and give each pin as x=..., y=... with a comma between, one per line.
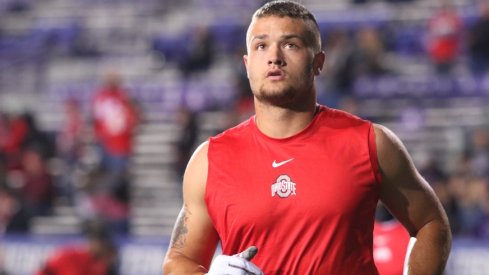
x=245, y=61
x=319, y=59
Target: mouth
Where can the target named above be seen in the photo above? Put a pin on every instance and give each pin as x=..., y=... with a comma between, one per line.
x=275, y=74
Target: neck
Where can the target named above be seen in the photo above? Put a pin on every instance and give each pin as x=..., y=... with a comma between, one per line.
x=283, y=122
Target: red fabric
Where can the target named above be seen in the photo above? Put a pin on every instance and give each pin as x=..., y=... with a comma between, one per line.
x=444, y=41
x=38, y=189
x=74, y=261
x=115, y=120
x=11, y=143
x=18, y=131
x=314, y=213
x=390, y=245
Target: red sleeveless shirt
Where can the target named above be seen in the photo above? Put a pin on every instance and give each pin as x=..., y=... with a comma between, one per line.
x=307, y=202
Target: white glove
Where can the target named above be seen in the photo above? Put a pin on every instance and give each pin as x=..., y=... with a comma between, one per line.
x=238, y=264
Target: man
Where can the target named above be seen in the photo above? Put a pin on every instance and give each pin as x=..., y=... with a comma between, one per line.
x=115, y=121
x=298, y=181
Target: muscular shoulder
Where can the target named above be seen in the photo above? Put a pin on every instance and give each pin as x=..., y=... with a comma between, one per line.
x=195, y=176
x=391, y=153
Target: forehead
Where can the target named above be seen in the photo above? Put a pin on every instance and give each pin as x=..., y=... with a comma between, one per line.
x=271, y=26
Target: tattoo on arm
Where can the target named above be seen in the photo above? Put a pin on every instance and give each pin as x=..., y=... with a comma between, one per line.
x=181, y=230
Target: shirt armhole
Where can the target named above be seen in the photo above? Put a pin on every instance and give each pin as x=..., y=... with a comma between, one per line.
x=372, y=146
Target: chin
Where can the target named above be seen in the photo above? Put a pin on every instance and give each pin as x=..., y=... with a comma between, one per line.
x=277, y=96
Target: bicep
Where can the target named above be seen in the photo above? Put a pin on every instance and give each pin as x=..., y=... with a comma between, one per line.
x=403, y=190
x=194, y=236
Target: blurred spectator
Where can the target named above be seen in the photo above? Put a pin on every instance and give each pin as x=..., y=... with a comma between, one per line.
x=26, y=151
x=188, y=137
x=37, y=139
x=37, y=189
x=4, y=131
x=443, y=191
x=115, y=121
x=444, y=38
x=474, y=206
x=340, y=68
x=14, y=131
x=479, y=41
x=69, y=146
x=478, y=151
x=244, y=97
x=370, y=55
x=13, y=218
x=440, y=182
x=97, y=255
x=199, y=52
x=70, y=136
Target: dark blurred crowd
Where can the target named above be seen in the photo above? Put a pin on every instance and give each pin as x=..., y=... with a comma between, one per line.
x=450, y=44
x=83, y=165
x=464, y=189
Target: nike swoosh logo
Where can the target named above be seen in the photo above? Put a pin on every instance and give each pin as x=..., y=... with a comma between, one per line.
x=278, y=164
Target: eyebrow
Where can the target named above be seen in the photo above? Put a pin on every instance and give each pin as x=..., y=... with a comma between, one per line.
x=283, y=37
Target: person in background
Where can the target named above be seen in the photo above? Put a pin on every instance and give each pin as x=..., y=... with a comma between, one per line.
x=13, y=216
x=294, y=189
x=37, y=189
x=478, y=44
x=12, y=135
x=115, y=120
x=199, y=52
x=370, y=56
x=187, y=120
x=444, y=38
x=28, y=172
x=69, y=144
x=37, y=138
x=96, y=255
x=340, y=67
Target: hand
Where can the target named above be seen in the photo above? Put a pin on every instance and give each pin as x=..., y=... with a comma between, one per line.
x=238, y=264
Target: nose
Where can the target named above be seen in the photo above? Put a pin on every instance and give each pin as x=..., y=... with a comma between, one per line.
x=276, y=61
x=276, y=57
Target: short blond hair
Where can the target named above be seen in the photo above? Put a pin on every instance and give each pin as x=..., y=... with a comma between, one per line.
x=294, y=10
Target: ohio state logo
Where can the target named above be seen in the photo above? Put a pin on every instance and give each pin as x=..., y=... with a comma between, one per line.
x=283, y=187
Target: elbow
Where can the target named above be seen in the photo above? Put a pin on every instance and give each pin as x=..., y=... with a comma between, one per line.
x=440, y=235
x=177, y=263
x=170, y=264
x=167, y=267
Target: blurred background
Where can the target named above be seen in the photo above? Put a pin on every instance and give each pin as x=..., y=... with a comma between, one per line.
x=103, y=101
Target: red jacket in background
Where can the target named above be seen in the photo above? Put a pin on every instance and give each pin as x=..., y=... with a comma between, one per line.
x=115, y=120
x=390, y=245
x=74, y=261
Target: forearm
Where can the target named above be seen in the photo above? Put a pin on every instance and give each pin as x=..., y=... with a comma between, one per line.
x=180, y=264
x=431, y=250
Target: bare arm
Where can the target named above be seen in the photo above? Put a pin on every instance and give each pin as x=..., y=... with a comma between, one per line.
x=194, y=238
x=412, y=201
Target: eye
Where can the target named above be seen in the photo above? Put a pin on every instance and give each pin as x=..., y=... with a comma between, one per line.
x=290, y=46
x=260, y=46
